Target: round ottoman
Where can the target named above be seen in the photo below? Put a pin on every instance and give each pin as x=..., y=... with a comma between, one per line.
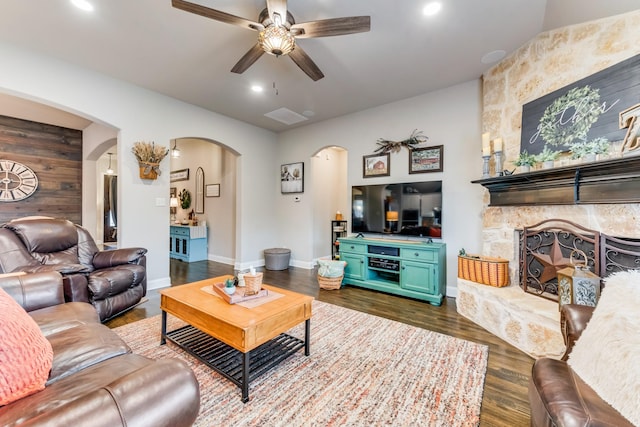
x=276, y=258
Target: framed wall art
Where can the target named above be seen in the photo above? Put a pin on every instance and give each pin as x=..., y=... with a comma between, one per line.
x=179, y=175
x=213, y=190
x=292, y=178
x=427, y=159
x=376, y=165
x=585, y=110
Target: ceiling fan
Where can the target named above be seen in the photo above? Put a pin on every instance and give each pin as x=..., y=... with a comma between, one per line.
x=277, y=31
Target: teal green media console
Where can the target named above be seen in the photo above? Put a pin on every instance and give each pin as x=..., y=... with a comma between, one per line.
x=413, y=269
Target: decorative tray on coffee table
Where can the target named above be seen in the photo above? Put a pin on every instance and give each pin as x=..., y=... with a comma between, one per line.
x=238, y=295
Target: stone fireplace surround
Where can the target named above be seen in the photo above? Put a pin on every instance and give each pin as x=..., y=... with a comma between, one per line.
x=525, y=314
x=546, y=63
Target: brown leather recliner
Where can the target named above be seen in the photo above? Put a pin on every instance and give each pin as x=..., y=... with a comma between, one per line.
x=557, y=395
x=113, y=281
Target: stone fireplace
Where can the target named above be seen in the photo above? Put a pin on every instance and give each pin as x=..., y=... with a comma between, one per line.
x=548, y=62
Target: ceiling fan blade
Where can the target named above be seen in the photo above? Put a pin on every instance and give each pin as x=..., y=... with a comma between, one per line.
x=216, y=15
x=332, y=27
x=248, y=59
x=305, y=63
x=279, y=7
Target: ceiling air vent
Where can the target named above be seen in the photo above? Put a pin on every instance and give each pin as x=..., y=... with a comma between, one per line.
x=286, y=116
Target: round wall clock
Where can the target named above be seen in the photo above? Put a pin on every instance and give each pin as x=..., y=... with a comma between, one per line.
x=17, y=181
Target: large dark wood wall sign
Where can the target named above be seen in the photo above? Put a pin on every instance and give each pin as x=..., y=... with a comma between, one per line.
x=55, y=155
x=584, y=110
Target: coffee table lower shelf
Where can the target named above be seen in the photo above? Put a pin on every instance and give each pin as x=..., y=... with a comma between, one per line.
x=240, y=368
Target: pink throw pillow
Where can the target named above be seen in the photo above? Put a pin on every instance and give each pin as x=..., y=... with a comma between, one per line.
x=25, y=354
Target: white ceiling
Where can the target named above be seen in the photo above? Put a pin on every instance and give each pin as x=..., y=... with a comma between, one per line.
x=188, y=57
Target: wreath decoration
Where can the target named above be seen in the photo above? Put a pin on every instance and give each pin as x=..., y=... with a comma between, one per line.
x=586, y=102
x=185, y=199
x=386, y=146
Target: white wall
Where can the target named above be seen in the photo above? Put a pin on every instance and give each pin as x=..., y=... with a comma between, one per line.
x=142, y=115
x=449, y=117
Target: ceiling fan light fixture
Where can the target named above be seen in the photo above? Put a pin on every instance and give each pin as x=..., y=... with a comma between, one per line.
x=276, y=40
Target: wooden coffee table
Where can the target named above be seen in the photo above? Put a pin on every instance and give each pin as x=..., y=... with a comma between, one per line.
x=238, y=342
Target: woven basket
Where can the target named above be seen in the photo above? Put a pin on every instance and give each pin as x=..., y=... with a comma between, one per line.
x=330, y=283
x=150, y=168
x=486, y=270
x=252, y=283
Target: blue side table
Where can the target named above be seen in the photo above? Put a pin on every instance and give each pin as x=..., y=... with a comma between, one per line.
x=188, y=243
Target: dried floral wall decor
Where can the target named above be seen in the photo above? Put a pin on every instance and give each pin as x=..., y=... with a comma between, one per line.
x=149, y=157
x=386, y=146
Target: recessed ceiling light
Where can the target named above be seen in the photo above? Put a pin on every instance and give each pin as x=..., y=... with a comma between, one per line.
x=432, y=8
x=83, y=4
x=493, y=56
x=257, y=88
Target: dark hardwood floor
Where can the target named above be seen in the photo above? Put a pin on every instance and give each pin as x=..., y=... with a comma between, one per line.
x=505, y=401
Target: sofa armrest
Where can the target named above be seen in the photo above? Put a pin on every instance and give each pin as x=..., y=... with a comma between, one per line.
x=105, y=259
x=34, y=291
x=573, y=320
x=164, y=393
x=60, y=268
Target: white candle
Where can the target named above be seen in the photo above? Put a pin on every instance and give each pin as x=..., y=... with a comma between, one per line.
x=486, y=151
x=485, y=140
x=497, y=144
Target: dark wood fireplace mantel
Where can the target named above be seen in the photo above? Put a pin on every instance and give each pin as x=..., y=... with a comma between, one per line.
x=609, y=181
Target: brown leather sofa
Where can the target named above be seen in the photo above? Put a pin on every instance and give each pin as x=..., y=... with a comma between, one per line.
x=113, y=281
x=557, y=395
x=95, y=380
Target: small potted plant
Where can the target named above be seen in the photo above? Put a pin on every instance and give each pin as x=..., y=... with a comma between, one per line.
x=525, y=161
x=230, y=286
x=546, y=157
x=579, y=149
x=588, y=150
x=599, y=146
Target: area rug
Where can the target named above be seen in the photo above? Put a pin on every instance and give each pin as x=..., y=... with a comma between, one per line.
x=363, y=371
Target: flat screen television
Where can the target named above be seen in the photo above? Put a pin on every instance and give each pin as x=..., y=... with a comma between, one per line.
x=409, y=208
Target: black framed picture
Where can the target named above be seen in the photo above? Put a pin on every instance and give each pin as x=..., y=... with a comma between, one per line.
x=213, y=190
x=427, y=159
x=292, y=178
x=179, y=175
x=376, y=165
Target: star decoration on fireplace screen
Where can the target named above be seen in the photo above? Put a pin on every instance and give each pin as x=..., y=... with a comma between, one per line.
x=552, y=262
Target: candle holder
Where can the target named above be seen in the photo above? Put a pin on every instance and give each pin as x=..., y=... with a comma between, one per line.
x=498, y=163
x=485, y=166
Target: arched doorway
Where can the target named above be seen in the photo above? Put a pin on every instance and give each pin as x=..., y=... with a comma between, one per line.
x=330, y=195
x=207, y=170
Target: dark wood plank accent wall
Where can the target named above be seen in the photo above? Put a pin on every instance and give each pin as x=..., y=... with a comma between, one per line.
x=55, y=154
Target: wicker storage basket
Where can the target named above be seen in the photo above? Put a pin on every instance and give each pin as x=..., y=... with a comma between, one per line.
x=252, y=283
x=148, y=170
x=330, y=283
x=486, y=270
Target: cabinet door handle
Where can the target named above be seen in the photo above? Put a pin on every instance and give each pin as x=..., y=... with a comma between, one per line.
x=417, y=254
x=353, y=247
x=361, y=261
x=403, y=267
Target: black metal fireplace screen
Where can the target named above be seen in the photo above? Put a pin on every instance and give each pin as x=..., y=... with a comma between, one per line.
x=547, y=247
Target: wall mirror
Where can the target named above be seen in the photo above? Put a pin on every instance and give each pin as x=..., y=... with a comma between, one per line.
x=199, y=191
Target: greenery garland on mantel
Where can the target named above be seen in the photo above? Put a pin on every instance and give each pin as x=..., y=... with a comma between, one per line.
x=386, y=146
